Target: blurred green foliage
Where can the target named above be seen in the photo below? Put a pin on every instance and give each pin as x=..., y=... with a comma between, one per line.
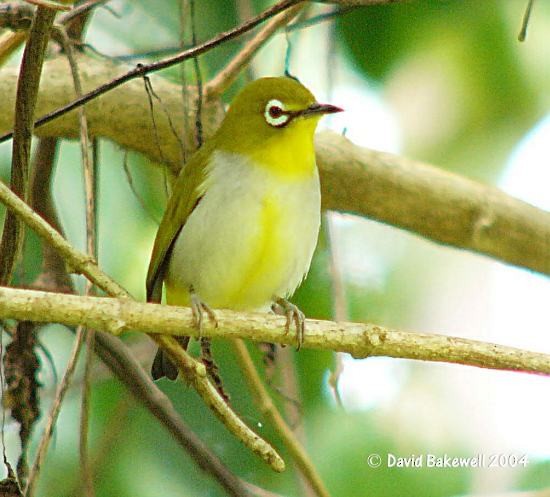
x=475, y=38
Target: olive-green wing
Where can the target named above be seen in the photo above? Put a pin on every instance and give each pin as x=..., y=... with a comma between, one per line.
x=185, y=197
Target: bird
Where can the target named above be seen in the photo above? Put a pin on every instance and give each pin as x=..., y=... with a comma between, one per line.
x=242, y=222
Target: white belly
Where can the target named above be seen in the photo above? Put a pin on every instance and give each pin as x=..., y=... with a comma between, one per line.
x=250, y=239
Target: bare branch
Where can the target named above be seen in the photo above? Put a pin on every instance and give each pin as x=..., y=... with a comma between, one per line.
x=89, y=166
x=195, y=372
x=126, y=367
x=358, y=339
x=11, y=244
x=434, y=203
x=267, y=407
x=53, y=414
x=224, y=78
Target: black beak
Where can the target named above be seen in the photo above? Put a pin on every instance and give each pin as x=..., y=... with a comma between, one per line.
x=318, y=108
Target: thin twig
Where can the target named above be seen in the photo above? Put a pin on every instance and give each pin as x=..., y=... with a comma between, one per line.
x=150, y=92
x=124, y=365
x=292, y=408
x=13, y=232
x=195, y=373
x=217, y=85
x=140, y=70
x=358, y=339
x=266, y=406
x=134, y=191
x=525, y=22
x=89, y=168
x=198, y=77
x=49, y=4
x=54, y=412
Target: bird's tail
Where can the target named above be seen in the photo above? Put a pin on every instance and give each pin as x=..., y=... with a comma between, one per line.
x=163, y=366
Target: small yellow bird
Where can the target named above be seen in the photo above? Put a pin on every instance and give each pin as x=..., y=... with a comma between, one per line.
x=242, y=222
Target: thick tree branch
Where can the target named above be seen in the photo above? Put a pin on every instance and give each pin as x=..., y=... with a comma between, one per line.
x=442, y=206
x=117, y=111
x=358, y=339
x=439, y=205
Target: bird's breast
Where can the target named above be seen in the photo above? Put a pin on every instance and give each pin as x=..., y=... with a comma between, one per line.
x=250, y=238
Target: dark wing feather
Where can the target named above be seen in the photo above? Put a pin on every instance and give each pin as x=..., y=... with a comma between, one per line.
x=185, y=197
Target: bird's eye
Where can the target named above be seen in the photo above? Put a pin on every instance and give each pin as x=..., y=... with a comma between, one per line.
x=275, y=111
x=275, y=114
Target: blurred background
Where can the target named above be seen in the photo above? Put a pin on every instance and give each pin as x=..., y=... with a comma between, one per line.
x=445, y=82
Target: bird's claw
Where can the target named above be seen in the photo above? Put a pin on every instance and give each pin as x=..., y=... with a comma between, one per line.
x=198, y=308
x=293, y=315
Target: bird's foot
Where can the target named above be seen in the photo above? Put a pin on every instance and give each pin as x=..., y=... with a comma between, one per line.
x=199, y=308
x=293, y=315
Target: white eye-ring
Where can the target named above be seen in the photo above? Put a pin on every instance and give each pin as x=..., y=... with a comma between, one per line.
x=275, y=113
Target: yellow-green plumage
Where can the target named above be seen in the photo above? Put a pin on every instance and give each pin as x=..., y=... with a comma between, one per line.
x=242, y=222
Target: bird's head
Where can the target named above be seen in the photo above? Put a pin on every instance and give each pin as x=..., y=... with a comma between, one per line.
x=270, y=114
